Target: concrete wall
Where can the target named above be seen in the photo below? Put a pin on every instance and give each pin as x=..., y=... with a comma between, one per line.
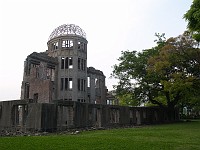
x=61, y=115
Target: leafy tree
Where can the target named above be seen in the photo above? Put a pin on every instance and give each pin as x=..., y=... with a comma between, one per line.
x=166, y=75
x=193, y=18
x=132, y=72
x=127, y=100
x=178, y=67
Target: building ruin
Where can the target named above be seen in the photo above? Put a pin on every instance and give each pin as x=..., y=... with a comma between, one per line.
x=59, y=91
x=61, y=72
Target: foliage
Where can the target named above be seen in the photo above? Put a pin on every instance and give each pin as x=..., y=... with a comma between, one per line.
x=178, y=67
x=127, y=100
x=170, y=136
x=193, y=18
x=167, y=75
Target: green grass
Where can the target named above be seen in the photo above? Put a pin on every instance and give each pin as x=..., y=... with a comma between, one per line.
x=179, y=136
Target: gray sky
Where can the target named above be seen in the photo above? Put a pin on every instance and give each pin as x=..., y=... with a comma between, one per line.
x=110, y=25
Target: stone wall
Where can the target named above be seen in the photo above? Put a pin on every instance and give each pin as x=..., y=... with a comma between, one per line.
x=28, y=115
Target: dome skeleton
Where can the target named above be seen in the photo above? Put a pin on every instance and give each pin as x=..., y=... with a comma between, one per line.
x=67, y=29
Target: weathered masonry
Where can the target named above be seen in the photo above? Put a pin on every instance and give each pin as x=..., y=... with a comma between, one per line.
x=59, y=91
x=28, y=115
x=61, y=72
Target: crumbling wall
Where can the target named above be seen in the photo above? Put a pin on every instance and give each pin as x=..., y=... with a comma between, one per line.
x=96, y=86
x=39, y=80
x=28, y=115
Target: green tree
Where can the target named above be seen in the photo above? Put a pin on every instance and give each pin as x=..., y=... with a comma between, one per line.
x=166, y=75
x=178, y=67
x=127, y=100
x=193, y=18
x=132, y=73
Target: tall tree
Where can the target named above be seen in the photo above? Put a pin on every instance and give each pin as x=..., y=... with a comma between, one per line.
x=132, y=73
x=178, y=67
x=165, y=75
x=193, y=18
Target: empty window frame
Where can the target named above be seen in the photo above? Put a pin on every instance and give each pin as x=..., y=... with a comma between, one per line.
x=84, y=65
x=96, y=82
x=67, y=44
x=88, y=81
x=55, y=45
x=79, y=45
x=48, y=72
x=84, y=48
x=66, y=84
x=70, y=62
x=52, y=74
x=82, y=81
x=79, y=63
x=79, y=84
x=26, y=91
x=35, y=96
x=62, y=62
x=66, y=63
x=70, y=83
x=37, y=72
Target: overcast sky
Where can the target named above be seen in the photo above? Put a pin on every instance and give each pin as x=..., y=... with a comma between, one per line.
x=111, y=26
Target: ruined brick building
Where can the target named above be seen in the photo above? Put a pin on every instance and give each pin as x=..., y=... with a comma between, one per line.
x=59, y=91
x=61, y=72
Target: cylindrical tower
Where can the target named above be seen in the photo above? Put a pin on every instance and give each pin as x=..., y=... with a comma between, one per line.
x=69, y=45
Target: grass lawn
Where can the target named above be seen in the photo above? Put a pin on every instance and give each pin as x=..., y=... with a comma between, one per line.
x=178, y=136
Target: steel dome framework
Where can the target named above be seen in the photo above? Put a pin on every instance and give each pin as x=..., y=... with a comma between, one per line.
x=67, y=29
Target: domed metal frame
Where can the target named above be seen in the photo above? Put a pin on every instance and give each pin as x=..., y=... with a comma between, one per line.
x=67, y=29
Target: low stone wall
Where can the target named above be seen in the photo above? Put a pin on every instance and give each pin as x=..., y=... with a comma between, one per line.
x=27, y=115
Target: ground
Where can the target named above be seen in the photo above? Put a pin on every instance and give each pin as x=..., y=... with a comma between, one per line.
x=183, y=135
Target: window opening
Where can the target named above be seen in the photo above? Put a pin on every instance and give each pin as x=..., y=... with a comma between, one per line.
x=62, y=62
x=26, y=94
x=84, y=65
x=70, y=83
x=79, y=85
x=88, y=81
x=48, y=73
x=84, y=46
x=66, y=84
x=37, y=72
x=79, y=63
x=67, y=43
x=63, y=43
x=83, y=85
x=35, y=97
x=79, y=45
x=70, y=62
x=71, y=43
x=55, y=45
x=96, y=82
x=66, y=63
x=52, y=75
